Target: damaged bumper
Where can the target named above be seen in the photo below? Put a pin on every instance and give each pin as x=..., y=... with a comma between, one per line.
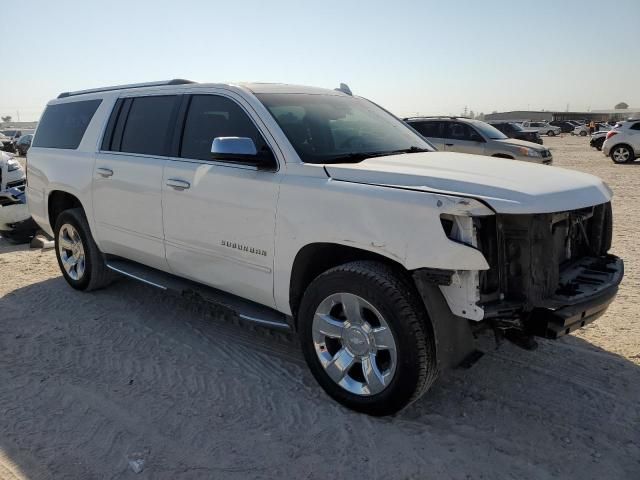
x=589, y=288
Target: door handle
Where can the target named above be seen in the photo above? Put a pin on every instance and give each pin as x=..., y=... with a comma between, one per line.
x=104, y=172
x=448, y=144
x=178, y=184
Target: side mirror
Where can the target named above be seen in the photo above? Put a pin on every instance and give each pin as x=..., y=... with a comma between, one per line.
x=242, y=149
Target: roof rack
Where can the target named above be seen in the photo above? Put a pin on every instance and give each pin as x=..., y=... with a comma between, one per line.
x=175, y=81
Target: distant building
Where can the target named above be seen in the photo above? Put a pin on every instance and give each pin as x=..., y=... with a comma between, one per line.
x=18, y=125
x=548, y=116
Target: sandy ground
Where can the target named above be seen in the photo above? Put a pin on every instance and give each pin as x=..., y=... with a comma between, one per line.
x=90, y=382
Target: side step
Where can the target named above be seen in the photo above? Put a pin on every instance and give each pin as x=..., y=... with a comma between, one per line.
x=245, y=309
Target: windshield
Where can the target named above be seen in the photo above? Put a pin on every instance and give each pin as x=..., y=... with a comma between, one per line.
x=9, y=133
x=337, y=128
x=517, y=127
x=489, y=131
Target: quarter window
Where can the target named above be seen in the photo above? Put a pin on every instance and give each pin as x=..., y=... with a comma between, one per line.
x=63, y=125
x=429, y=129
x=212, y=116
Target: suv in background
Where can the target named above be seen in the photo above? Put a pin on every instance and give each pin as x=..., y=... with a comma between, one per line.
x=514, y=130
x=622, y=143
x=543, y=128
x=317, y=211
x=457, y=134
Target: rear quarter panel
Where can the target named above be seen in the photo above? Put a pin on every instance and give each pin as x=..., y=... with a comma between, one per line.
x=71, y=171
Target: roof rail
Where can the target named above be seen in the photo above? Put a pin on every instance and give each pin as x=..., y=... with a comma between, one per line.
x=175, y=81
x=434, y=116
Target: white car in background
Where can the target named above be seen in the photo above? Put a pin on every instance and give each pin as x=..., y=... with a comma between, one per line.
x=11, y=172
x=623, y=142
x=543, y=128
x=583, y=130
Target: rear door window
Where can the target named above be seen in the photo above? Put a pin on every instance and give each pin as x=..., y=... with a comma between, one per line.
x=63, y=125
x=148, y=125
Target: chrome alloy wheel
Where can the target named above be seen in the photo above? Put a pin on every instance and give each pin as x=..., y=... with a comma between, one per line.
x=71, y=251
x=354, y=344
x=621, y=154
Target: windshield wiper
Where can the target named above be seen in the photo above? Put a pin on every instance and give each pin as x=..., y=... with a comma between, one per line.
x=359, y=156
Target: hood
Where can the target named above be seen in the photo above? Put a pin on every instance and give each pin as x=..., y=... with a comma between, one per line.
x=514, y=142
x=508, y=186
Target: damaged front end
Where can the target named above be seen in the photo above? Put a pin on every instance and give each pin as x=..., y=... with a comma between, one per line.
x=549, y=274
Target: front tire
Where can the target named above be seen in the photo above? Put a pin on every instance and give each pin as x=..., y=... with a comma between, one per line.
x=551, y=133
x=583, y=133
x=366, y=337
x=621, y=154
x=81, y=262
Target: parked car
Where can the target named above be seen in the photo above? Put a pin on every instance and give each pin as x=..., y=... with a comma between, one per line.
x=457, y=134
x=11, y=172
x=565, y=126
x=583, y=130
x=622, y=143
x=16, y=224
x=319, y=212
x=543, y=128
x=597, y=139
x=23, y=144
x=13, y=135
x=515, y=130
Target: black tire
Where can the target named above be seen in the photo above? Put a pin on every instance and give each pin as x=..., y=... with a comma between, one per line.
x=394, y=295
x=627, y=148
x=96, y=274
x=583, y=133
x=551, y=133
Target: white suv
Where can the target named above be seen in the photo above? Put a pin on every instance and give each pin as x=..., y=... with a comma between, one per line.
x=543, y=128
x=623, y=142
x=318, y=211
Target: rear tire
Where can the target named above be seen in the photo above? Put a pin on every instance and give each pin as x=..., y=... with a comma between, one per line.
x=583, y=133
x=348, y=318
x=551, y=133
x=622, y=154
x=81, y=262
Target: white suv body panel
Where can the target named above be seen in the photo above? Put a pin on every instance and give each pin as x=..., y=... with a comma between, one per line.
x=628, y=134
x=388, y=206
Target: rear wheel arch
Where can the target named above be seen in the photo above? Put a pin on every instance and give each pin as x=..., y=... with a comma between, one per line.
x=58, y=202
x=316, y=258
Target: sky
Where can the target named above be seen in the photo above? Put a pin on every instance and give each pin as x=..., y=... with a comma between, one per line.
x=412, y=57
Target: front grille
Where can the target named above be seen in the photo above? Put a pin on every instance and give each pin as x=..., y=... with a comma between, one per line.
x=527, y=254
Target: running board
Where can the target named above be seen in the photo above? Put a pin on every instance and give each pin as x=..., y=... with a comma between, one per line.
x=244, y=309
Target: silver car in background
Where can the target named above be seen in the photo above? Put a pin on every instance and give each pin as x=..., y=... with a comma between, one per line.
x=464, y=135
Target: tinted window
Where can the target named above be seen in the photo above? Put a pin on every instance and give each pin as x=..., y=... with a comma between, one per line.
x=63, y=125
x=635, y=126
x=460, y=131
x=429, y=129
x=148, y=127
x=212, y=116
